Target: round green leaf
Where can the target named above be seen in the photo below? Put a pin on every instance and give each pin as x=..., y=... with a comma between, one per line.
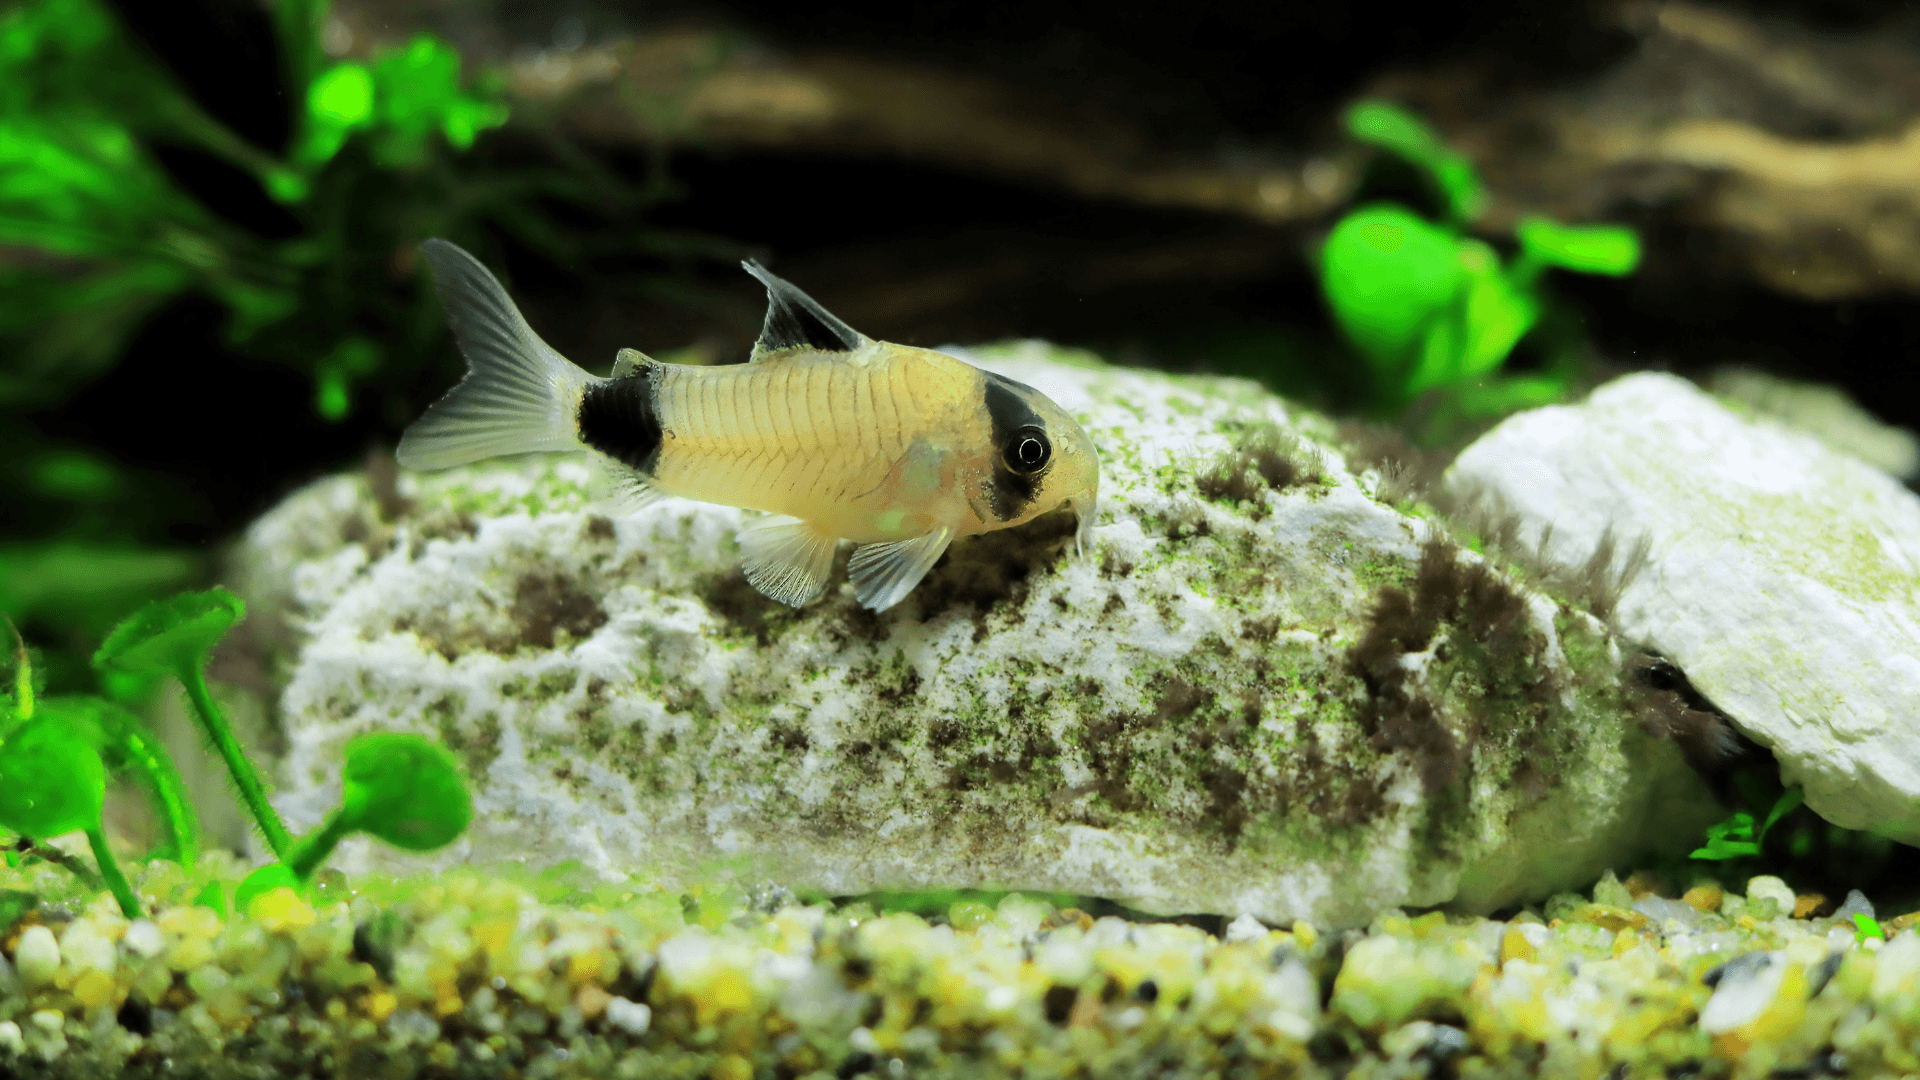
x=262, y=881
x=342, y=96
x=1387, y=273
x=51, y=781
x=170, y=634
x=1593, y=249
x=404, y=790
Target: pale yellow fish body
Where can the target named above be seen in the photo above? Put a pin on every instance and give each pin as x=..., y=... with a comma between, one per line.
x=869, y=447
x=895, y=448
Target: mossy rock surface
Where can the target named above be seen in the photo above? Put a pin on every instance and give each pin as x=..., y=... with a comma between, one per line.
x=1263, y=691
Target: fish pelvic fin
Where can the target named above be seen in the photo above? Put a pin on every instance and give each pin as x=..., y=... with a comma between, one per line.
x=883, y=574
x=518, y=395
x=796, y=321
x=787, y=559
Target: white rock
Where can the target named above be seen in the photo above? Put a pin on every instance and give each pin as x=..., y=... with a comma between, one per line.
x=1745, y=990
x=1826, y=413
x=1768, y=887
x=629, y=1016
x=10, y=1039
x=37, y=957
x=1245, y=928
x=1177, y=722
x=85, y=948
x=1784, y=576
x=144, y=939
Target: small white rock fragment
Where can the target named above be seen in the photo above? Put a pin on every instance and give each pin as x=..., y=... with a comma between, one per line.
x=1856, y=903
x=1768, y=887
x=629, y=1016
x=86, y=948
x=10, y=1039
x=1747, y=987
x=37, y=957
x=144, y=939
x=1664, y=911
x=1245, y=928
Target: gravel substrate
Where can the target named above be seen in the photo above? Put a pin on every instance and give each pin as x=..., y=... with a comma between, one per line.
x=474, y=974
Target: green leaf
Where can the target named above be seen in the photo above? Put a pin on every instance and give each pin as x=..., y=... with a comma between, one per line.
x=1865, y=926
x=1784, y=805
x=51, y=781
x=1592, y=249
x=1387, y=274
x=404, y=790
x=262, y=881
x=1392, y=128
x=342, y=96
x=168, y=635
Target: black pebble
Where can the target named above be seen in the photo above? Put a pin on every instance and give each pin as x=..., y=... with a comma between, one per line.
x=1148, y=991
x=135, y=1014
x=1059, y=1003
x=861, y=1062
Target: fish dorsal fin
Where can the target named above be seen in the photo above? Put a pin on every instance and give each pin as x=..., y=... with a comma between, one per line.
x=797, y=321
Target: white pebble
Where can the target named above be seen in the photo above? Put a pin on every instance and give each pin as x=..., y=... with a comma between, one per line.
x=51, y=1021
x=86, y=948
x=1663, y=911
x=412, y=1026
x=144, y=939
x=37, y=957
x=1768, y=887
x=1245, y=928
x=630, y=1016
x=1746, y=990
x=1855, y=904
x=10, y=1039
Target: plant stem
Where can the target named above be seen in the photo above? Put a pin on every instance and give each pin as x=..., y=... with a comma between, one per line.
x=313, y=849
x=169, y=795
x=49, y=853
x=244, y=778
x=109, y=869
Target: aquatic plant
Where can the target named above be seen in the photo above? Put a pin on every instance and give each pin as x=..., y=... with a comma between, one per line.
x=1431, y=307
x=52, y=781
x=57, y=753
x=174, y=637
x=1736, y=837
x=395, y=787
x=102, y=230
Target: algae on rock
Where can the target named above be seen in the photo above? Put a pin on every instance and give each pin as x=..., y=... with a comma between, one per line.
x=1275, y=696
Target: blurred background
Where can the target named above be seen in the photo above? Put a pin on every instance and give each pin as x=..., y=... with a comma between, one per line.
x=209, y=210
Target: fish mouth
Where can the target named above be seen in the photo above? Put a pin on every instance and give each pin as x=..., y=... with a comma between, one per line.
x=1087, y=506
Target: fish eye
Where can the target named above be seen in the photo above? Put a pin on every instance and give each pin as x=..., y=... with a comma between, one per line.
x=1028, y=450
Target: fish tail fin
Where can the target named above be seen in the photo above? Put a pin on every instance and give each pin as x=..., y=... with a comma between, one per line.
x=518, y=395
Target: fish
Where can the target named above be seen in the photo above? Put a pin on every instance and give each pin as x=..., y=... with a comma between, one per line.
x=900, y=450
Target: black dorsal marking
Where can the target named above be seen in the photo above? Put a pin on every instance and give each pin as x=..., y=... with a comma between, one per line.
x=617, y=418
x=796, y=320
x=1011, y=492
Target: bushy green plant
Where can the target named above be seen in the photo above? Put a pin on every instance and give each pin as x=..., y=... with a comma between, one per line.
x=97, y=236
x=1431, y=307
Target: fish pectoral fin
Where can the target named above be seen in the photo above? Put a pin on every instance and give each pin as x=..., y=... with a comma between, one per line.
x=883, y=574
x=796, y=321
x=787, y=559
x=620, y=489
